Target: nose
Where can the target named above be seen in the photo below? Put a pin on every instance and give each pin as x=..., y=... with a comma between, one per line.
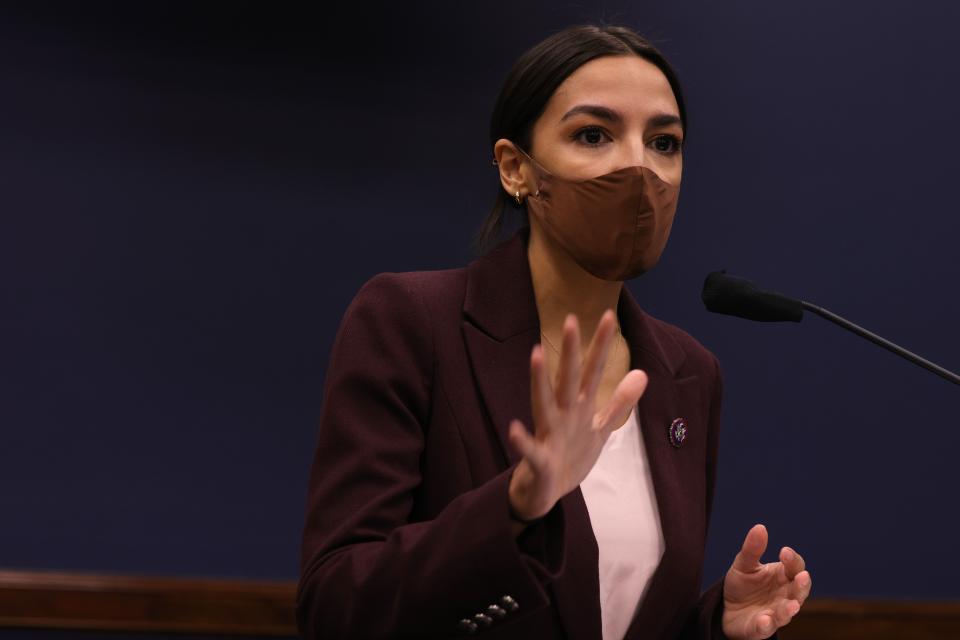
x=635, y=154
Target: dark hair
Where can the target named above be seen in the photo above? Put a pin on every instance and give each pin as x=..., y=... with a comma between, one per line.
x=537, y=74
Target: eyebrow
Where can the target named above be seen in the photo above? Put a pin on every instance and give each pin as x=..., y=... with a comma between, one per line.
x=664, y=120
x=611, y=115
x=604, y=113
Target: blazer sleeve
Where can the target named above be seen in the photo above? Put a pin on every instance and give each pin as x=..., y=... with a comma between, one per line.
x=367, y=570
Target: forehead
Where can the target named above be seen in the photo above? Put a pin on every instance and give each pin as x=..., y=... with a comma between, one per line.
x=627, y=83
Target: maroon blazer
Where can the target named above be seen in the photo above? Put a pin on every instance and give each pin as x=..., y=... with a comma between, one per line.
x=407, y=529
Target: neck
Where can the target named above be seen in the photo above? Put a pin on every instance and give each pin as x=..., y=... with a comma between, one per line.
x=561, y=286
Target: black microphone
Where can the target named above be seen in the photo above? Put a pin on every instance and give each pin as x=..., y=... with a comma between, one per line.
x=734, y=296
x=742, y=298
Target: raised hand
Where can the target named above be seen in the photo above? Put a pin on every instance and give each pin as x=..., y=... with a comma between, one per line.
x=760, y=598
x=569, y=431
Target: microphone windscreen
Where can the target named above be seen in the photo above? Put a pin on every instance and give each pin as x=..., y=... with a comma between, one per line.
x=739, y=297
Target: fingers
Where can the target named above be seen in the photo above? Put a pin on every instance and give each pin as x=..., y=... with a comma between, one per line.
x=597, y=353
x=526, y=444
x=624, y=398
x=764, y=625
x=768, y=621
x=771, y=620
x=748, y=560
x=541, y=395
x=801, y=587
x=785, y=611
x=792, y=562
x=782, y=604
x=568, y=373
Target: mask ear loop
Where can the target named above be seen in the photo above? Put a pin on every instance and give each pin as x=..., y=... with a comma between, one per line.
x=540, y=169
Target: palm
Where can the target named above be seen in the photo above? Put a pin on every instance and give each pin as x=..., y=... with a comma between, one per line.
x=760, y=598
x=569, y=431
x=574, y=450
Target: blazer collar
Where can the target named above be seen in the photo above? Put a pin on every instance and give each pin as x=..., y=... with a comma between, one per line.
x=500, y=302
x=499, y=296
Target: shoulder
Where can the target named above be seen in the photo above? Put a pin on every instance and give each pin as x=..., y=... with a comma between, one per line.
x=388, y=331
x=694, y=364
x=695, y=358
x=411, y=291
x=405, y=306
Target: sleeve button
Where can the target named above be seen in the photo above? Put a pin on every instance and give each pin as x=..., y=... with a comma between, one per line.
x=467, y=626
x=509, y=603
x=496, y=611
x=483, y=619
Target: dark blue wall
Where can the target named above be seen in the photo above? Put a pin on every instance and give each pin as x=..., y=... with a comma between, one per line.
x=191, y=199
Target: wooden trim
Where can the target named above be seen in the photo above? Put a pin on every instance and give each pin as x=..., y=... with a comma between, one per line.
x=843, y=619
x=130, y=603
x=236, y=607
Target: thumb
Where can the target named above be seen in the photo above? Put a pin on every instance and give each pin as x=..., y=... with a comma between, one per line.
x=748, y=560
x=624, y=398
x=526, y=444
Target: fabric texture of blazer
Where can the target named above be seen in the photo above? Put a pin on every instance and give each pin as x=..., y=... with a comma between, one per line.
x=407, y=528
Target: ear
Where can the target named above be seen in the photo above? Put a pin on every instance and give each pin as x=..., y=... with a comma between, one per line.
x=515, y=172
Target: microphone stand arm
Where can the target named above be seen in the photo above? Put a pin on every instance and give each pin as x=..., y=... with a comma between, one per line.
x=886, y=344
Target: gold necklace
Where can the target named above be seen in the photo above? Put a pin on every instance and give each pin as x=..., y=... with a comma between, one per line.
x=610, y=360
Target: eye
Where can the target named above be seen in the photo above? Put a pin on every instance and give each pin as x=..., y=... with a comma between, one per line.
x=590, y=136
x=667, y=144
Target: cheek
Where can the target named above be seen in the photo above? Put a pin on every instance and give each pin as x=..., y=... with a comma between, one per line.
x=669, y=170
x=586, y=168
x=576, y=166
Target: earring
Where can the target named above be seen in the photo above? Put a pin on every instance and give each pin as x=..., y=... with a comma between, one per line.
x=518, y=198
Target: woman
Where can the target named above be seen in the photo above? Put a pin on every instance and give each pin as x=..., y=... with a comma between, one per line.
x=474, y=473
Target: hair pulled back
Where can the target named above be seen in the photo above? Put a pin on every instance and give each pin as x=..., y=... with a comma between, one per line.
x=534, y=78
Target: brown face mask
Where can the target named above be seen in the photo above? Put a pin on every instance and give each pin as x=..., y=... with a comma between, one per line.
x=614, y=226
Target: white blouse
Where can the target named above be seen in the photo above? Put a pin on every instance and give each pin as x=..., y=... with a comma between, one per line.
x=623, y=513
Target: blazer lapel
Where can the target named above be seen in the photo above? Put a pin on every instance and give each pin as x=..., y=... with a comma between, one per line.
x=660, y=358
x=501, y=327
x=505, y=396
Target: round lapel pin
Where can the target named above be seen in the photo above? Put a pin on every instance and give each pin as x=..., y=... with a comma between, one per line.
x=678, y=432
